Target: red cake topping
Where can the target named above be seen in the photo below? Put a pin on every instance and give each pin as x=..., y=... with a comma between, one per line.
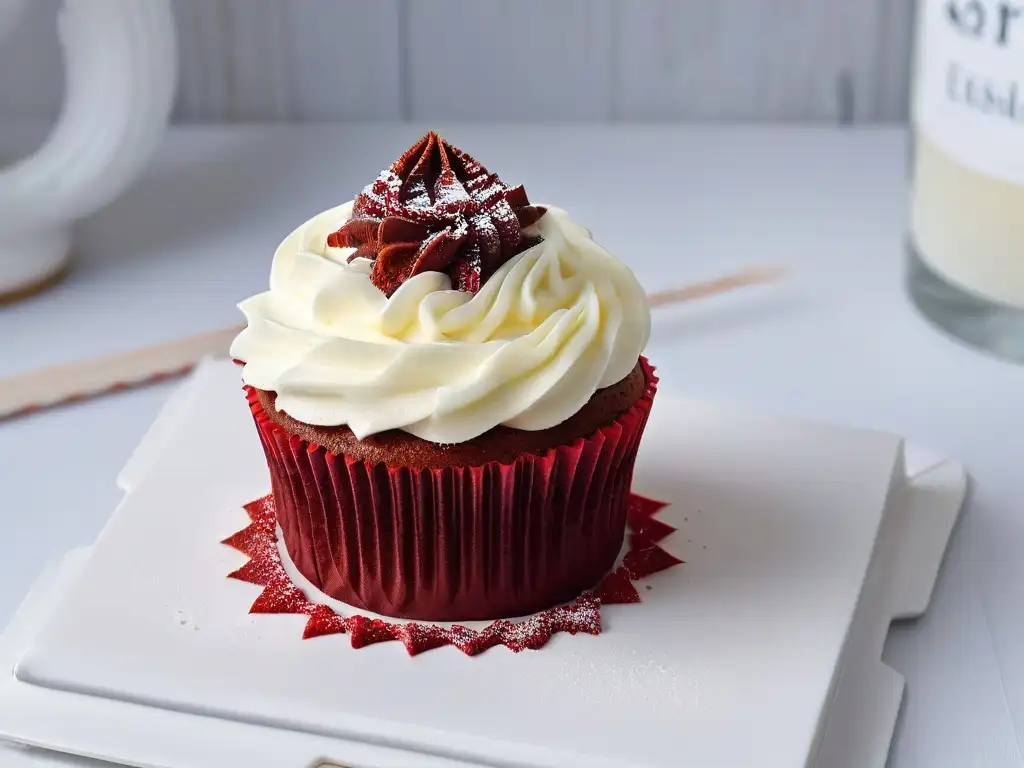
x=437, y=209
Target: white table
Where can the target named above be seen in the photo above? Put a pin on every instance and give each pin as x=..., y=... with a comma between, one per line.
x=838, y=342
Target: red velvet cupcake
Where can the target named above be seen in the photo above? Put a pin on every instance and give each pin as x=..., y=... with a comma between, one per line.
x=448, y=386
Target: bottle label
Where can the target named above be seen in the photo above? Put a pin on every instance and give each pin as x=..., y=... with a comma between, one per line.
x=970, y=83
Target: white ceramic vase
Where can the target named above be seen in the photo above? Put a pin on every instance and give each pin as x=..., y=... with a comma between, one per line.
x=120, y=60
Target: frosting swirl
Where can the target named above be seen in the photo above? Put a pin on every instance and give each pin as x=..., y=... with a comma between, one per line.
x=437, y=210
x=551, y=326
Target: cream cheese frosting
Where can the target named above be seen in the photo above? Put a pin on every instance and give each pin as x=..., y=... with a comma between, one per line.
x=553, y=325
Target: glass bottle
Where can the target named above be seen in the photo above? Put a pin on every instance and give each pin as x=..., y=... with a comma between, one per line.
x=966, y=229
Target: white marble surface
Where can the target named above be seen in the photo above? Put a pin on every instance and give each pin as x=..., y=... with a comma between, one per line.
x=838, y=342
x=529, y=60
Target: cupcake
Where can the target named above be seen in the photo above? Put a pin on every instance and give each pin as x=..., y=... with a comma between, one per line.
x=448, y=385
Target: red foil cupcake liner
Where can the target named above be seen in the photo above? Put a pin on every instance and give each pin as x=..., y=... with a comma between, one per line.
x=456, y=544
x=265, y=568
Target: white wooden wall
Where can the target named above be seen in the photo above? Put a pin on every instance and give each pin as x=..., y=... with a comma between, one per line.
x=821, y=60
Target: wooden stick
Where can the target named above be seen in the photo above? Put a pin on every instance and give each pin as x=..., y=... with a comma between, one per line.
x=30, y=392
x=753, y=276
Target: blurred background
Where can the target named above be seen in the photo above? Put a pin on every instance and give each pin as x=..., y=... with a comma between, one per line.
x=833, y=61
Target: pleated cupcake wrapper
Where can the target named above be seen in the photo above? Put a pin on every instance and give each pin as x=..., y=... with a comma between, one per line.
x=265, y=568
x=456, y=544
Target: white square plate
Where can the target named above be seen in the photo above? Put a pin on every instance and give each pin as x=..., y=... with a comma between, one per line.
x=739, y=657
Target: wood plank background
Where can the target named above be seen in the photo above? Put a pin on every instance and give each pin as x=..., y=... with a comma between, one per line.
x=839, y=61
